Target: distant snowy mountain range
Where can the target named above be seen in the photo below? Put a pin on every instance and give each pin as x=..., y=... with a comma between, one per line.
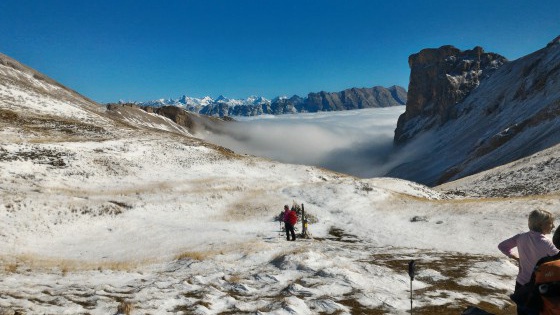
x=354, y=98
x=195, y=104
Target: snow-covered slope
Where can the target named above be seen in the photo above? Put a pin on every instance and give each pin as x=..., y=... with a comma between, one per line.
x=169, y=224
x=537, y=174
x=35, y=106
x=26, y=94
x=127, y=212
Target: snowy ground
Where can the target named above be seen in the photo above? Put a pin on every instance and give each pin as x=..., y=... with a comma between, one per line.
x=174, y=227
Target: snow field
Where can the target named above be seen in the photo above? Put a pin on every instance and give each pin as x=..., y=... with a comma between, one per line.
x=179, y=228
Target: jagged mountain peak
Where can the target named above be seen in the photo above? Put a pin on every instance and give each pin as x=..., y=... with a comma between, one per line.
x=221, y=98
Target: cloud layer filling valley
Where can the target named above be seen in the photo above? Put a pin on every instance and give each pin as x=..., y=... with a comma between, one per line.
x=357, y=142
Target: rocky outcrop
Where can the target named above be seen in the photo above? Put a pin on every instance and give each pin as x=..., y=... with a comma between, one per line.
x=439, y=79
x=461, y=120
x=177, y=115
x=192, y=122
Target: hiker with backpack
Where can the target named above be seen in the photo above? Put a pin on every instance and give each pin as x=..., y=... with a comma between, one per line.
x=531, y=246
x=290, y=220
x=544, y=287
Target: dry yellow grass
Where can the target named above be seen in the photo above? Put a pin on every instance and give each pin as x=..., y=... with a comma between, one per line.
x=235, y=278
x=11, y=267
x=242, y=210
x=124, y=308
x=65, y=266
x=242, y=248
x=200, y=256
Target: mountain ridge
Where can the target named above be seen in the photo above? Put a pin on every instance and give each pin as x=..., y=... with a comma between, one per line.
x=352, y=98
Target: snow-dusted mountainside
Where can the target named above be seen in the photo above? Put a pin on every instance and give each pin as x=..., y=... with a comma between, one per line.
x=509, y=114
x=35, y=106
x=536, y=174
x=106, y=207
x=27, y=92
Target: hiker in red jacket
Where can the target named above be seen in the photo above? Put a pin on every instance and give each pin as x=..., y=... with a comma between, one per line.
x=290, y=220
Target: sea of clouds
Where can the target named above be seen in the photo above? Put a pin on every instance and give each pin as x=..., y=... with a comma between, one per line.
x=356, y=142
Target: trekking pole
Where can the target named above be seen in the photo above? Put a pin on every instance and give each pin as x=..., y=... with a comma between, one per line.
x=303, y=227
x=411, y=267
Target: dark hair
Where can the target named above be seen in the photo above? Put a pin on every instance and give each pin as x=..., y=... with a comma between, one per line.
x=556, y=238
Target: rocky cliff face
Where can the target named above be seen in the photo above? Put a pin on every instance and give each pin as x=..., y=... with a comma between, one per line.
x=464, y=116
x=439, y=79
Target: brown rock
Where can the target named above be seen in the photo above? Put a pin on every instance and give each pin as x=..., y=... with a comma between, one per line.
x=439, y=79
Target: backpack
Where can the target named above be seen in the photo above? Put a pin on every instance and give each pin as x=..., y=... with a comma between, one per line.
x=292, y=217
x=547, y=282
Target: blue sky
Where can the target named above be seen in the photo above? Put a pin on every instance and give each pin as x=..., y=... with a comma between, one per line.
x=144, y=50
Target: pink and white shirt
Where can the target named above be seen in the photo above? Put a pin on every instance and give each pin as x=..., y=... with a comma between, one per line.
x=531, y=246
